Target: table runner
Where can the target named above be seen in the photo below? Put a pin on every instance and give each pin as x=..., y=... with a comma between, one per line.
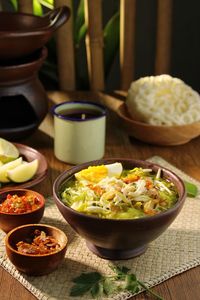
x=180, y=241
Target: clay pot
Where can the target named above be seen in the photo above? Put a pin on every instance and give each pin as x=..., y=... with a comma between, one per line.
x=22, y=97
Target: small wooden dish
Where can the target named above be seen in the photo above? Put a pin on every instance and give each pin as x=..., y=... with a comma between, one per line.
x=33, y=264
x=158, y=135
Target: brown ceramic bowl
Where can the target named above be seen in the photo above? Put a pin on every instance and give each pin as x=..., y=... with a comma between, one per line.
x=118, y=239
x=21, y=34
x=29, y=154
x=35, y=265
x=9, y=221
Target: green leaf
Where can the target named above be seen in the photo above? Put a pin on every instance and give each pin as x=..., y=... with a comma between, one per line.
x=131, y=283
x=131, y=278
x=47, y=3
x=120, y=271
x=99, y=285
x=97, y=290
x=79, y=20
x=109, y=287
x=15, y=4
x=80, y=16
x=191, y=189
x=81, y=34
x=37, y=5
x=88, y=278
x=79, y=289
x=87, y=282
x=37, y=8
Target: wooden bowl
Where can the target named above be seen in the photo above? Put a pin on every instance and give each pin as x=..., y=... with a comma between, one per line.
x=158, y=135
x=118, y=238
x=35, y=265
x=8, y=221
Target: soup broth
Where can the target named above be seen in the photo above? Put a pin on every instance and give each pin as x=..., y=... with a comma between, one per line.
x=128, y=194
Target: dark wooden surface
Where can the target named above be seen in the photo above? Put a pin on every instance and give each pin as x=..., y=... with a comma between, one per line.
x=185, y=286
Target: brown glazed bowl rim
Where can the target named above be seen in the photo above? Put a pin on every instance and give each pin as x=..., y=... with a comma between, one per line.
x=63, y=177
x=38, y=195
x=38, y=225
x=20, y=33
x=61, y=12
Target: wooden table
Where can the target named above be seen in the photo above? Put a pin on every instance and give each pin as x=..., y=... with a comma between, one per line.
x=186, y=157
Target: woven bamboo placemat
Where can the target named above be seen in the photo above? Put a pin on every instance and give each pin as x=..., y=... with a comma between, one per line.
x=181, y=241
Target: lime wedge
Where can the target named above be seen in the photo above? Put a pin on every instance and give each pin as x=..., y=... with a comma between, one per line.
x=23, y=172
x=8, y=166
x=8, y=151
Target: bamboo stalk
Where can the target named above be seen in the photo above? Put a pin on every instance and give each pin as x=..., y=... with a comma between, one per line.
x=163, y=39
x=94, y=43
x=127, y=41
x=65, y=51
x=25, y=6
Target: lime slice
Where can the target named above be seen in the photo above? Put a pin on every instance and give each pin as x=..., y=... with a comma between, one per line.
x=8, y=166
x=8, y=151
x=23, y=172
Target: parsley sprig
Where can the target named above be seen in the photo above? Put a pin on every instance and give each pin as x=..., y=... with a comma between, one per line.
x=99, y=285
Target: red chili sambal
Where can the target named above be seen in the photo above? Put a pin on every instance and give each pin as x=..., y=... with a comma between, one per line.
x=41, y=244
x=14, y=204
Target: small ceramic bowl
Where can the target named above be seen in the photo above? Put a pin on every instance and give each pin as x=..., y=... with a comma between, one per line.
x=118, y=238
x=29, y=154
x=30, y=264
x=8, y=221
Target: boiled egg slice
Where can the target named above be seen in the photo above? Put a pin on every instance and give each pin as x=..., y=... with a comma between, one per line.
x=97, y=173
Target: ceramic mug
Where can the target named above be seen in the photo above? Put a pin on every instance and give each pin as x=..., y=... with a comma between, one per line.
x=79, y=131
